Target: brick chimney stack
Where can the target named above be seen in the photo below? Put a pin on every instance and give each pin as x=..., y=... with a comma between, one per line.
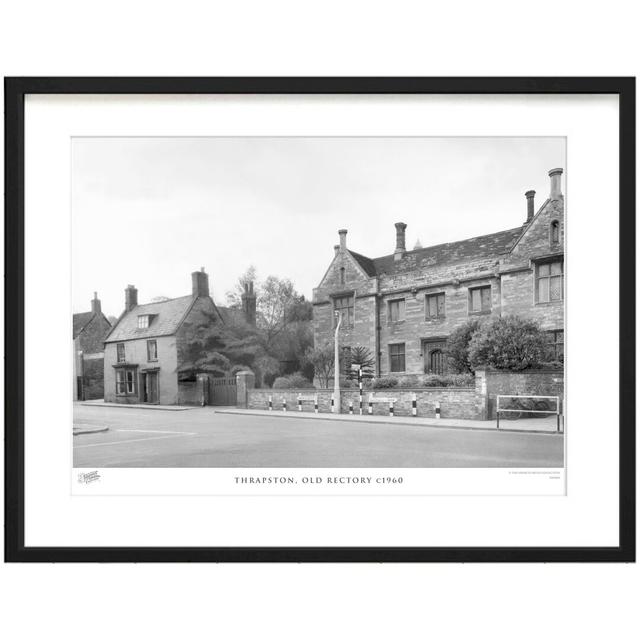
x=130, y=297
x=96, y=307
x=200, y=283
x=343, y=239
x=556, y=183
x=400, y=240
x=249, y=300
x=530, y=195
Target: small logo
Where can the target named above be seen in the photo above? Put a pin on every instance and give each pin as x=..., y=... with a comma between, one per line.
x=86, y=478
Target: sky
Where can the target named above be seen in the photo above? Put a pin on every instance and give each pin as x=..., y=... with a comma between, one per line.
x=149, y=211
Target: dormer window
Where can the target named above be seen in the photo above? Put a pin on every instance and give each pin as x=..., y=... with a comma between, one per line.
x=144, y=321
x=554, y=233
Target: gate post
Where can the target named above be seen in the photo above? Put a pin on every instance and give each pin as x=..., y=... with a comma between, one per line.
x=245, y=381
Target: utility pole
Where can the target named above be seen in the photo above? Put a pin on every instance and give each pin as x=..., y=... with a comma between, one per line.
x=336, y=366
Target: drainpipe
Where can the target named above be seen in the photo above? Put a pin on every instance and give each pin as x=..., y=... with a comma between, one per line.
x=336, y=367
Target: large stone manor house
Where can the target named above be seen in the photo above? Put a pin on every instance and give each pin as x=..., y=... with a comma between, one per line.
x=404, y=305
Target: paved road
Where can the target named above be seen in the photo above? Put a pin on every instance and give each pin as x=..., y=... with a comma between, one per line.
x=201, y=438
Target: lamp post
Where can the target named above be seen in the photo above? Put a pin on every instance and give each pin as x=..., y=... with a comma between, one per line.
x=336, y=366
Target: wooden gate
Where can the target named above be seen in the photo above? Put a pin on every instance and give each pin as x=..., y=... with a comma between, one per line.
x=224, y=391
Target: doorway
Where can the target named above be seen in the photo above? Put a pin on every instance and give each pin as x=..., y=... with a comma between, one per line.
x=150, y=387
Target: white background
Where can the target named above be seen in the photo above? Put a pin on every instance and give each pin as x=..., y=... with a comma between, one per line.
x=587, y=516
x=329, y=38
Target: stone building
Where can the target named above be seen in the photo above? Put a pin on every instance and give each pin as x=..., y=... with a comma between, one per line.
x=89, y=331
x=404, y=305
x=147, y=354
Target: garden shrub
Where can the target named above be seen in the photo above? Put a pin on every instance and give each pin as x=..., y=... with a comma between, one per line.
x=292, y=381
x=385, y=382
x=409, y=382
x=457, y=347
x=508, y=343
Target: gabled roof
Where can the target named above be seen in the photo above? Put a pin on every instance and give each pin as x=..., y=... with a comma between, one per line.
x=80, y=321
x=168, y=316
x=493, y=244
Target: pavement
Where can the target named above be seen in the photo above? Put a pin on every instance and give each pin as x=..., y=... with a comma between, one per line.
x=224, y=437
x=151, y=407
x=548, y=424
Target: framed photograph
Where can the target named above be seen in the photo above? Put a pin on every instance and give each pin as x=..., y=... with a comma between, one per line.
x=320, y=319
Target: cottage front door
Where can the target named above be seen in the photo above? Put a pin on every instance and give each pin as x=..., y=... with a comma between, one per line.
x=151, y=387
x=434, y=358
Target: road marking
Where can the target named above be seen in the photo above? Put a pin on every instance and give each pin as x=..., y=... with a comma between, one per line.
x=185, y=433
x=106, y=444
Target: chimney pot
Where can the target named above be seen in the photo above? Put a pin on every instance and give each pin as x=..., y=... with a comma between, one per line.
x=556, y=183
x=95, y=303
x=130, y=297
x=400, y=240
x=343, y=238
x=199, y=284
x=530, y=195
x=249, y=303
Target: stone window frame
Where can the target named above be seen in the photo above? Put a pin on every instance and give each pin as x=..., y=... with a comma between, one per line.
x=155, y=343
x=444, y=305
x=403, y=300
x=554, y=226
x=346, y=323
x=551, y=260
x=556, y=344
x=397, y=355
x=482, y=311
x=343, y=275
x=121, y=354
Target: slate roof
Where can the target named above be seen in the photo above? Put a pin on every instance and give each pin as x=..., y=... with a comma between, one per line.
x=168, y=317
x=493, y=244
x=80, y=321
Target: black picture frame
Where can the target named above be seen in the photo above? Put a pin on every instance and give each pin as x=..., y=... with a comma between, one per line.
x=15, y=91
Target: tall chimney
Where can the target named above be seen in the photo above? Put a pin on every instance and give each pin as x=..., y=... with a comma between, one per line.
x=95, y=304
x=556, y=183
x=249, y=303
x=200, y=284
x=529, y=195
x=130, y=297
x=343, y=238
x=400, y=241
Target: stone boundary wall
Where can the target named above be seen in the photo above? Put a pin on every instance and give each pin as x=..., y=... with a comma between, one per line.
x=454, y=403
x=539, y=382
x=477, y=403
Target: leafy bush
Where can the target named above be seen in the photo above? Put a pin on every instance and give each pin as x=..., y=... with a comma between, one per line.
x=508, y=343
x=457, y=348
x=386, y=382
x=449, y=380
x=292, y=381
x=409, y=382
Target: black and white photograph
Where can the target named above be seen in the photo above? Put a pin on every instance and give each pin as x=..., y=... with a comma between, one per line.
x=318, y=302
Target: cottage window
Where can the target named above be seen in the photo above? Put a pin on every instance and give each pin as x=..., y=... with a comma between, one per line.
x=152, y=350
x=125, y=382
x=120, y=352
x=396, y=357
x=143, y=321
x=396, y=310
x=342, y=276
x=480, y=300
x=556, y=345
x=434, y=305
x=549, y=281
x=344, y=305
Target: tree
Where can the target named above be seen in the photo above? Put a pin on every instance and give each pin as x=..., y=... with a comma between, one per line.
x=457, y=349
x=363, y=357
x=322, y=360
x=509, y=343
